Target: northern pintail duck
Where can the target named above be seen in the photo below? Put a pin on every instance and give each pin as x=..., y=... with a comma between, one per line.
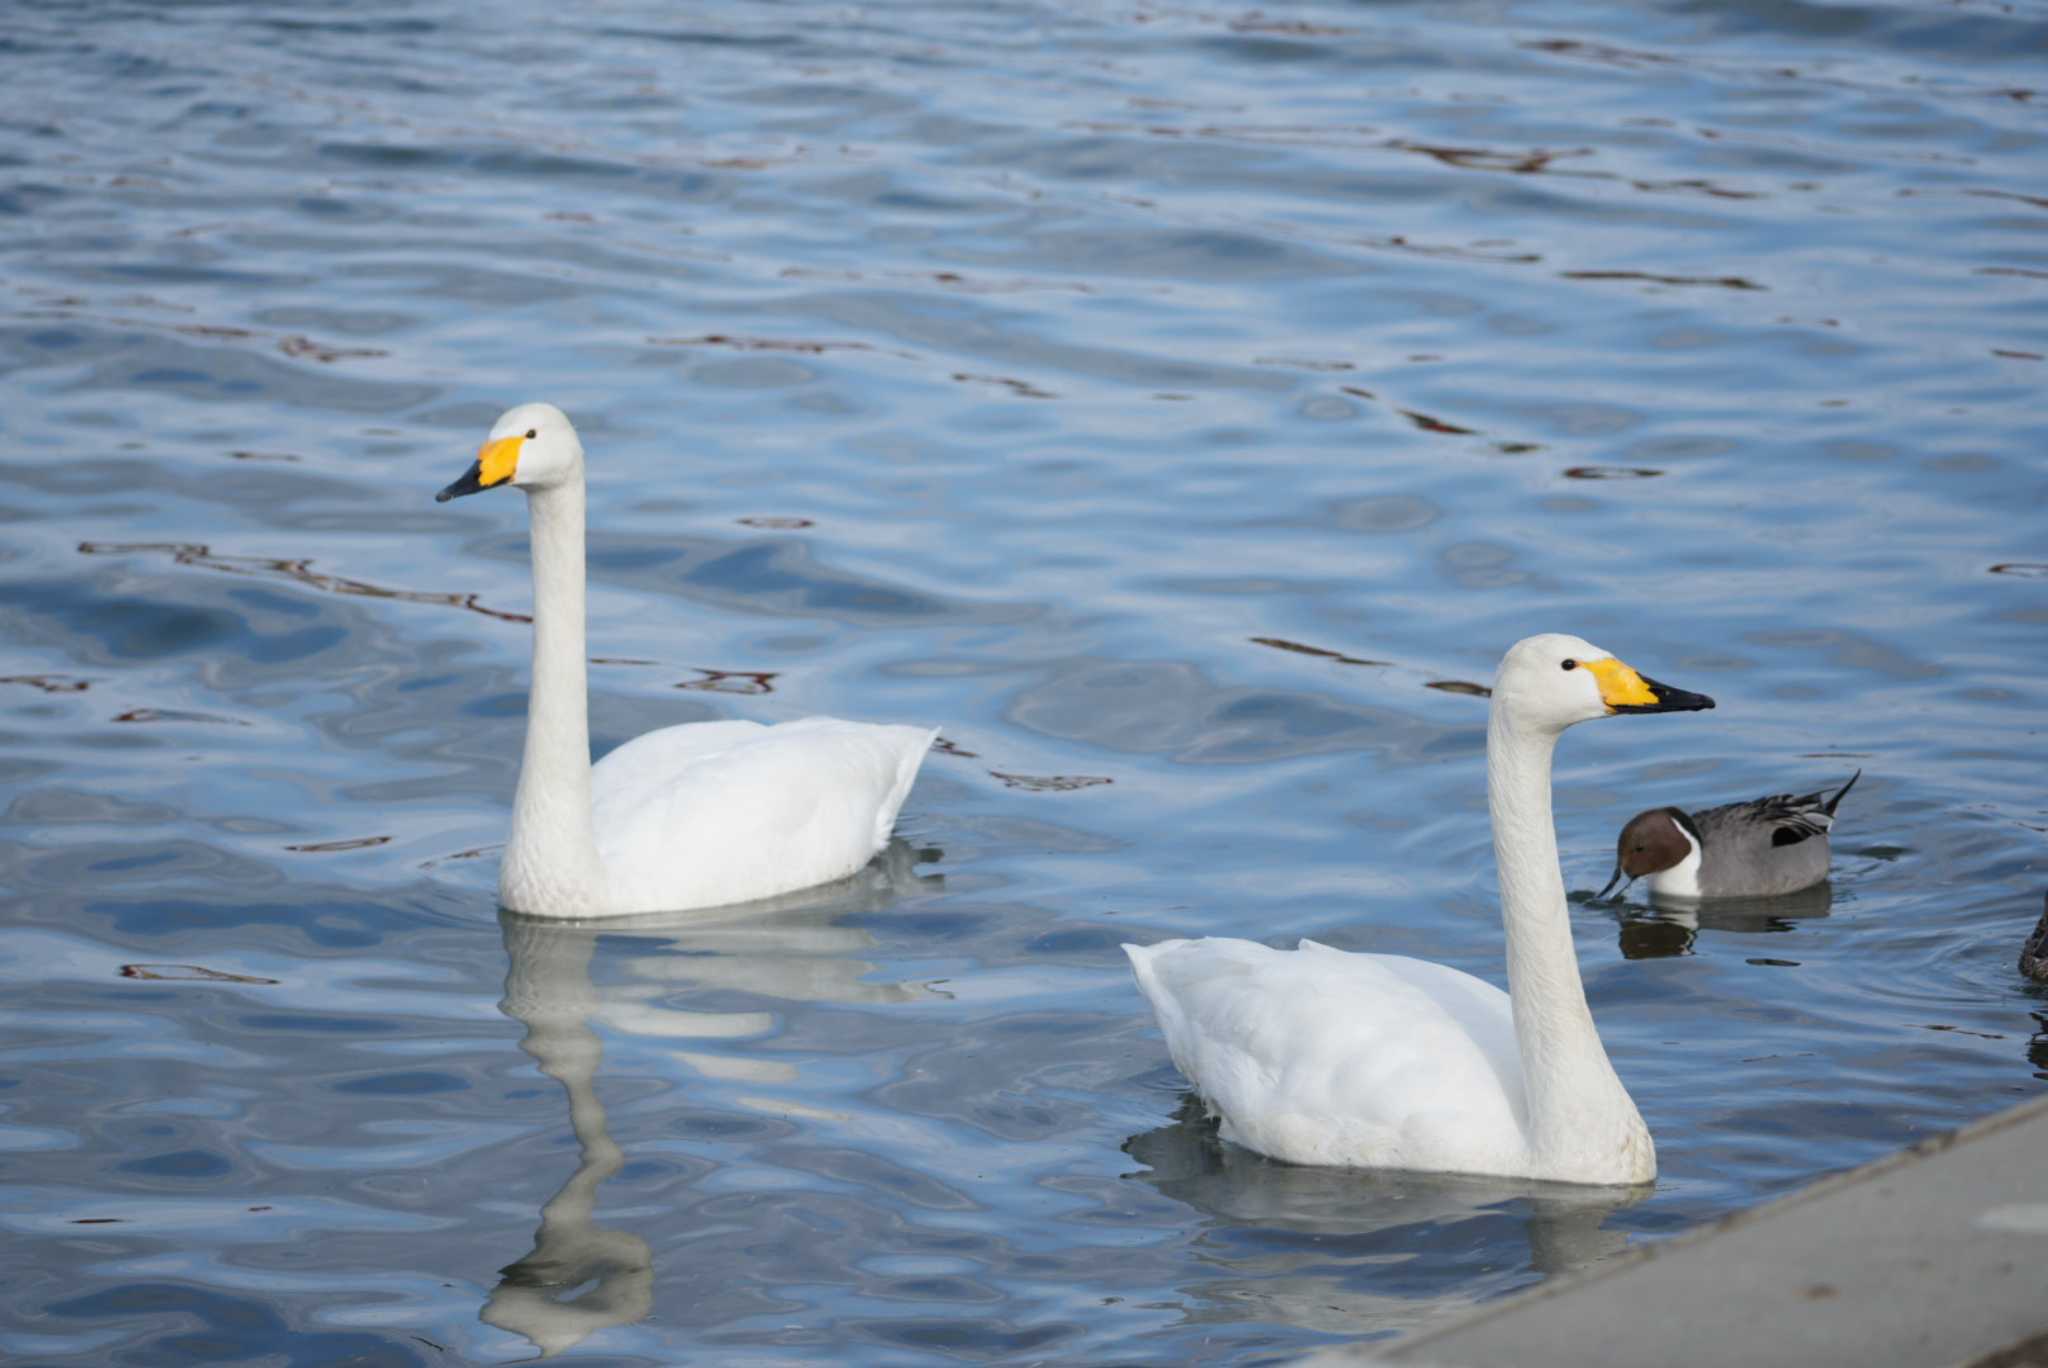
x=1757, y=849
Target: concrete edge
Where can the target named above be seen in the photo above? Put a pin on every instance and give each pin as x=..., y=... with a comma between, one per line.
x=1416, y=1348
x=2025, y=1354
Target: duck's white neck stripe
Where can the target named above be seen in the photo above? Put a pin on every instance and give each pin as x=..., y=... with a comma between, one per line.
x=1682, y=880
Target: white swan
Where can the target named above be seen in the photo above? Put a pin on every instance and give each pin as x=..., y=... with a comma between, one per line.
x=688, y=816
x=1318, y=1056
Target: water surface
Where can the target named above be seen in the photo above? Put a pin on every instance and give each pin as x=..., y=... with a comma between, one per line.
x=1181, y=406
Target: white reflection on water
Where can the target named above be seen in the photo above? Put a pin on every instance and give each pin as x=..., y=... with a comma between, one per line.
x=543, y=1295
x=581, y=1277
x=1425, y=1221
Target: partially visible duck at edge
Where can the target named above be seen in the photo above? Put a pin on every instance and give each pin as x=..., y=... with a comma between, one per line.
x=2034, y=954
x=1758, y=849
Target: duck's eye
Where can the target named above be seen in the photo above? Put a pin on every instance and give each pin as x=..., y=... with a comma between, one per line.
x=532, y=433
x=1571, y=664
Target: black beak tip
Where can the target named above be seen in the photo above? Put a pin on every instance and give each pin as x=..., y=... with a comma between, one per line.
x=1668, y=700
x=1680, y=700
x=470, y=483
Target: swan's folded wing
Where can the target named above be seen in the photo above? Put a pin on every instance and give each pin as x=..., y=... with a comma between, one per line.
x=709, y=813
x=653, y=756
x=1320, y=1056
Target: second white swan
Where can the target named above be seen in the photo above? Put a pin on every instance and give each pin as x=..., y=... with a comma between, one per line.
x=688, y=816
x=1320, y=1056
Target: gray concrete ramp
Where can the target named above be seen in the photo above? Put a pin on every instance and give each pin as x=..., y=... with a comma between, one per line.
x=1937, y=1255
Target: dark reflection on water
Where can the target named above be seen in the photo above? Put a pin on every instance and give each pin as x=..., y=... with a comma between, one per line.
x=1185, y=441
x=1671, y=928
x=2037, y=1048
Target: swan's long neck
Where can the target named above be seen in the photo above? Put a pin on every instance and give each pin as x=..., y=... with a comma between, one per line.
x=551, y=861
x=1577, y=1106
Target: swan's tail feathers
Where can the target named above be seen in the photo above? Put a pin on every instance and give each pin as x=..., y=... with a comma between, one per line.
x=1145, y=968
x=914, y=743
x=1167, y=1008
x=1829, y=806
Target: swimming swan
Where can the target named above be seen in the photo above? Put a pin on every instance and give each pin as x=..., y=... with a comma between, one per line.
x=1319, y=1056
x=687, y=816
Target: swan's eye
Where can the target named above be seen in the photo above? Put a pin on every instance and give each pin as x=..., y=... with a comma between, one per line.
x=1571, y=664
x=532, y=433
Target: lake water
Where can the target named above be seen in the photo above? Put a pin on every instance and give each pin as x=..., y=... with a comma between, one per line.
x=1167, y=400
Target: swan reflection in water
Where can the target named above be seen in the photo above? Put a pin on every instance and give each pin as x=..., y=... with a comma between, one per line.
x=1376, y=1250
x=1670, y=928
x=581, y=1277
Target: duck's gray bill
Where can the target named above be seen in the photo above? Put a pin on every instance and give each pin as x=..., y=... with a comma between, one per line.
x=1668, y=700
x=472, y=483
x=1601, y=896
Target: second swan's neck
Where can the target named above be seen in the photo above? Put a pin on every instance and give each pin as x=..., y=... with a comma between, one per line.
x=551, y=862
x=1577, y=1106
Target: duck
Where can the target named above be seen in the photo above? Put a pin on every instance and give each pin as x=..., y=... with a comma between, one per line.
x=2034, y=954
x=1763, y=848
x=1329, y=1057
x=701, y=814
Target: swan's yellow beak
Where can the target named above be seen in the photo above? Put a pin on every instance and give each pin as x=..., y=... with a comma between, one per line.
x=1625, y=691
x=495, y=464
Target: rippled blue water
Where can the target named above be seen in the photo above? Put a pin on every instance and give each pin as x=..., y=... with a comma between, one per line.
x=1163, y=399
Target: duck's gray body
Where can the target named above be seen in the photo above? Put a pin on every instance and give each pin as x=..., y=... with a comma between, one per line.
x=1764, y=847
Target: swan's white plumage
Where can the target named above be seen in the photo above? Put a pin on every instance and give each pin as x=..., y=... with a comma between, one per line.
x=1321, y=1056
x=1315, y=1055
x=719, y=812
x=683, y=817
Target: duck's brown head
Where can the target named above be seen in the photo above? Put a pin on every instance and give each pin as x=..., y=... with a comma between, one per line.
x=1651, y=842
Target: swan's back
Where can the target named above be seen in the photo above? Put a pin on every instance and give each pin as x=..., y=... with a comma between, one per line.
x=1320, y=1056
x=719, y=812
